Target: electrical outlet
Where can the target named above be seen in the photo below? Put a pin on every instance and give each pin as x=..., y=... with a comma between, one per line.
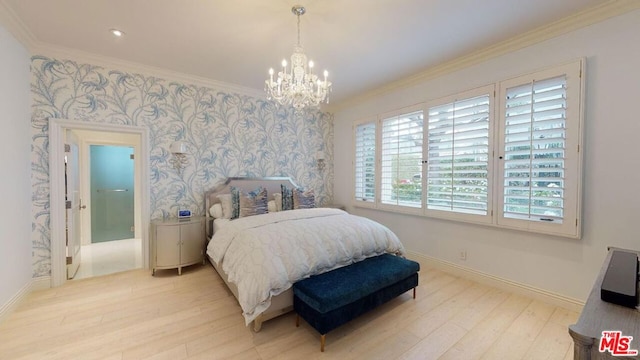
x=463, y=255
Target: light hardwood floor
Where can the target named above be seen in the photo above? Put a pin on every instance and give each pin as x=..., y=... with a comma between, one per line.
x=133, y=315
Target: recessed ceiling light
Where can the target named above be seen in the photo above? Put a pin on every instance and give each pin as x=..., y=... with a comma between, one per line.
x=116, y=32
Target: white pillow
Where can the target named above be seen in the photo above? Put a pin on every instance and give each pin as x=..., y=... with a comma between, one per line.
x=216, y=211
x=227, y=207
x=278, y=199
x=271, y=206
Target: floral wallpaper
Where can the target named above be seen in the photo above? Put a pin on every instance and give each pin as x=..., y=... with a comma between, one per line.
x=227, y=135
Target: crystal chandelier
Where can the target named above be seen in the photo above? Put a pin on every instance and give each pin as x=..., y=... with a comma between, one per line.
x=298, y=86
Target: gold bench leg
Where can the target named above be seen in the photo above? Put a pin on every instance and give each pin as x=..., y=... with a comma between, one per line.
x=322, y=341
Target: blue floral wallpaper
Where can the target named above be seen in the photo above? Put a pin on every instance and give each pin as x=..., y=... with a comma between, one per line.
x=227, y=134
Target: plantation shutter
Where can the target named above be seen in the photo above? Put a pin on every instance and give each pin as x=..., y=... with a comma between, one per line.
x=458, y=156
x=365, y=162
x=401, y=160
x=534, y=150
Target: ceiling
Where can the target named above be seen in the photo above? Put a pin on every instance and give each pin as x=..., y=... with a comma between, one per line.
x=363, y=44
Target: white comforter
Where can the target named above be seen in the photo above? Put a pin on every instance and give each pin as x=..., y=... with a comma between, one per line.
x=265, y=254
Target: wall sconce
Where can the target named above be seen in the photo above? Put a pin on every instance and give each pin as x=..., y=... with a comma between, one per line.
x=179, y=159
x=320, y=160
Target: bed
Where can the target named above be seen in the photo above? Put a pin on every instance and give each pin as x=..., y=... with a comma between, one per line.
x=259, y=257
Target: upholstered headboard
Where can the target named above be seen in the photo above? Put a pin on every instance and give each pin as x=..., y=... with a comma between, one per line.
x=246, y=184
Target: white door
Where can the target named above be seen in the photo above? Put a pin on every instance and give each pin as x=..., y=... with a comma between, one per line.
x=73, y=204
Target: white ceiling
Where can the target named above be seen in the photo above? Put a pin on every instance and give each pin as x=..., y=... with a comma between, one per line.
x=364, y=44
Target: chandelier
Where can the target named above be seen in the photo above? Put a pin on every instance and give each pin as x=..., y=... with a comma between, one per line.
x=297, y=85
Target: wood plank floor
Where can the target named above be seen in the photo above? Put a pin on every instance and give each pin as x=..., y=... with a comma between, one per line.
x=133, y=315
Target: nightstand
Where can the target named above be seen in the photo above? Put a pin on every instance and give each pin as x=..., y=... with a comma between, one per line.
x=177, y=243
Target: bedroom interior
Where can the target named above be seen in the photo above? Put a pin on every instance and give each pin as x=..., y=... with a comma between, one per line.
x=481, y=287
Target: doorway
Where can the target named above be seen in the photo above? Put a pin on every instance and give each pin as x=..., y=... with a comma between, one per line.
x=112, y=245
x=111, y=173
x=96, y=134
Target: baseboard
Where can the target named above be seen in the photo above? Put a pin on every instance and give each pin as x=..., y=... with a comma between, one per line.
x=10, y=305
x=498, y=282
x=39, y=283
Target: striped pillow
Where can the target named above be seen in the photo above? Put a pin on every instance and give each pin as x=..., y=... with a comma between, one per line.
x=235, y=202
x=254, y=203
x=287, y=198
x=303, y=199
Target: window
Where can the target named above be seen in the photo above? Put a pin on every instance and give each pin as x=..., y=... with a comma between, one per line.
x=401, y=160
x=540, y=127
x=506, y=155
x=458, y=154
x=365, y=162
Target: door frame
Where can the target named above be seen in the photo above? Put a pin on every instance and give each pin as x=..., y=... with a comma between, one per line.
x=57, y=128
x=90, y=138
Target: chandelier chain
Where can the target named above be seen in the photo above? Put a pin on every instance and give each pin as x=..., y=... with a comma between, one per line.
x=298, y=29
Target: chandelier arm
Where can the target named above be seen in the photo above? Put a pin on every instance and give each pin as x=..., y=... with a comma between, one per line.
x=298, y=87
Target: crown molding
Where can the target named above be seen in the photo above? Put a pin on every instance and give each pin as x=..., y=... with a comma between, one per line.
x=16, y=27
x=59, y=52
x=587, y=17
x=563, y=26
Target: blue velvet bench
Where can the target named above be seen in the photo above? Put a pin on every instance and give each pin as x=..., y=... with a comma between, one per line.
x=331, y=299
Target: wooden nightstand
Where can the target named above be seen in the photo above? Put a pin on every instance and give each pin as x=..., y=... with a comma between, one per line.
x=177, y=243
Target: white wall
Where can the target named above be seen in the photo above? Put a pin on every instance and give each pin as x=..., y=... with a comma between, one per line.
x=15, y=159
x=611, y=176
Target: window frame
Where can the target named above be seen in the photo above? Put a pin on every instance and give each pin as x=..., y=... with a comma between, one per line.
x=361, y=202
x=381, y=118
x=574, y=129
x=572, y=206
x=456, y=215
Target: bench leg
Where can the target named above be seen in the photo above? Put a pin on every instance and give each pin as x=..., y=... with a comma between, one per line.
x=414, y=293
x=322, y=341
x=297, y=320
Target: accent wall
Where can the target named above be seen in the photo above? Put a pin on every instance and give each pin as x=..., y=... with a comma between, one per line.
x=227, y=134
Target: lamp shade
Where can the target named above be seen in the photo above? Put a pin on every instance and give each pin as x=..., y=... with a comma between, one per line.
x=178, y=147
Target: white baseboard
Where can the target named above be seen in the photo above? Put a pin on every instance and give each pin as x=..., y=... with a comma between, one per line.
x=10, y=305
x=498, y=282
x=39, y=283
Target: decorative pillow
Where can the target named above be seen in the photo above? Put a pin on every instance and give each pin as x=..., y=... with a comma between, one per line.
x=235, y=202
x=277, y=198
x=271, y=206
x=253, y=203
x=287, y=198
x=227, y=205
x=303, y=199
x=216, y=211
